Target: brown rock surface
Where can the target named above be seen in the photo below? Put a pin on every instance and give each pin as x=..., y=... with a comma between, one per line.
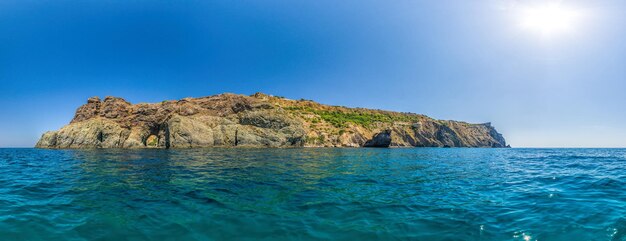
x=259, y=120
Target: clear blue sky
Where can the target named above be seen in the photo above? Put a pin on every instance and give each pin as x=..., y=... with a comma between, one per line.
x=461, y=60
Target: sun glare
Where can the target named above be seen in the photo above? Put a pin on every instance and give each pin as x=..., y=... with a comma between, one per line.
x=549, y=20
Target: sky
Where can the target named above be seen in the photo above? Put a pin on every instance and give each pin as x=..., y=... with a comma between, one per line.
x=554, y=79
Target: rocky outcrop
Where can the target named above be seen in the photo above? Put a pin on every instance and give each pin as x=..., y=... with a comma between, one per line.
x=259, y=120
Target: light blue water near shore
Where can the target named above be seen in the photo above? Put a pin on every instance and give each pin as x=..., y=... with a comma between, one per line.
x=313, y=194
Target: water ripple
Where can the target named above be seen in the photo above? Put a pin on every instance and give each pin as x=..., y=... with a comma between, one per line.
x=313, y=194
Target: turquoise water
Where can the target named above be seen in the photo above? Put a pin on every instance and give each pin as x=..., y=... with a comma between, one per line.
x=313, y=194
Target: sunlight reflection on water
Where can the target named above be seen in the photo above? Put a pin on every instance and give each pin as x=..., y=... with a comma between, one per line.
x=313, y=194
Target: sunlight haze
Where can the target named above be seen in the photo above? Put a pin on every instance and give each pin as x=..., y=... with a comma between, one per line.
x=544, y=73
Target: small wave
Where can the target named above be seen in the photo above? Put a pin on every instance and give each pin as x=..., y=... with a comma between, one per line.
x=196, y=195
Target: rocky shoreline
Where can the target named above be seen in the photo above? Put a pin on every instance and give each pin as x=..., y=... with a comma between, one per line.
x=259, y=120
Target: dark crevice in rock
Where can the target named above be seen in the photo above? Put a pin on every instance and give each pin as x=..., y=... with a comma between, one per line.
x=157, y=136
x=120, y=140
x=382, y=139
x=167, y=136
x=296, y=141
x=100, y=136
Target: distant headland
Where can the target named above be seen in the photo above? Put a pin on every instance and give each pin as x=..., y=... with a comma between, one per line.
x=259, y=120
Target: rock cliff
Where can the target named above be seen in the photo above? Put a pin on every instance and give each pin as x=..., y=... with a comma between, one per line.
x=259, y=120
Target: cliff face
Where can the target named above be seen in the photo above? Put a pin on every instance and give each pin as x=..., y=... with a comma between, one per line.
x=257, y=121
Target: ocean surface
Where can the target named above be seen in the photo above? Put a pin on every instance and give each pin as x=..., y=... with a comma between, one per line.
x=313, y=194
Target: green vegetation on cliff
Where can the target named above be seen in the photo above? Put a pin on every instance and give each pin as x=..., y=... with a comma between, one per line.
x=365, y=118
x=259, y=120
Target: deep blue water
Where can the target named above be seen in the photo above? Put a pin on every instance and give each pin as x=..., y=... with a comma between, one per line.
x=313, y=194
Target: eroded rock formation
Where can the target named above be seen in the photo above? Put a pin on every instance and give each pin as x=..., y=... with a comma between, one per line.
x=256, y=121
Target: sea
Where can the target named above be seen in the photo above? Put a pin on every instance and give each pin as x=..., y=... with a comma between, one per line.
x=313, y=194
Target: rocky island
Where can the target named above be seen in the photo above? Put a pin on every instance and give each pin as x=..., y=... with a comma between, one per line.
x=259, y=120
